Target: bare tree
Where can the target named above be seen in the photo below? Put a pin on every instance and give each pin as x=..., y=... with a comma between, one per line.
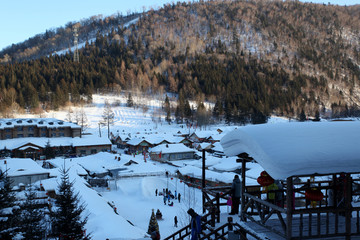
x=108, y=116
x=82, y=120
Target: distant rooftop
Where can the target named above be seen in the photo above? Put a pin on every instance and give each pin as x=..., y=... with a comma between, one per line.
x=39, y=122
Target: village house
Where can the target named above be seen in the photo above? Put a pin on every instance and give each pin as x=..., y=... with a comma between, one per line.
x=199, y=137
x=37, y=127
x=23, y=171
x=34, y=147
x=171, y=152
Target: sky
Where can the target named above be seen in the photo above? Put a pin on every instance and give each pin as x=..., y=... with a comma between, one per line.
x=22, y=19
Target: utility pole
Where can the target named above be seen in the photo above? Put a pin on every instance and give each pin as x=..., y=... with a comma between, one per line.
x=76, y=50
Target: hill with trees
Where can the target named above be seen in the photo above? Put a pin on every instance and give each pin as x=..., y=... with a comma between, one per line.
x=250, y=58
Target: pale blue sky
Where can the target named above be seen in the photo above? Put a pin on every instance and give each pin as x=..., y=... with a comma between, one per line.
x=22, y=19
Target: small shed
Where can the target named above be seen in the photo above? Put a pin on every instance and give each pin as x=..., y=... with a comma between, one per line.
x=171, y=152
x=318, y=166
x=23, y=171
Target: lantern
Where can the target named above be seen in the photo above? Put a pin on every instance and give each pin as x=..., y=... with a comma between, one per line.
x=314, y=194
x=171, y=178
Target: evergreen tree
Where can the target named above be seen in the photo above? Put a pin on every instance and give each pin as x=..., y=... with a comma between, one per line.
x=302, y=116
x=8, y=214
x=317, y=116
x=67, y=219
x=258, y=117
x=178, y=115
x=130, y=102
x=153, y=224
x=167, y=109
x=32, y=217
x=49, y=151
x=187, y=110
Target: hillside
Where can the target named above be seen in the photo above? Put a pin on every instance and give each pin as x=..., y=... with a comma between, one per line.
x=250, y=58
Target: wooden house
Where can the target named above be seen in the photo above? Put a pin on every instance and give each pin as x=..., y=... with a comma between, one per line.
x=23, y=171
x=171, y=152
x=138, y=145
x=311, y=180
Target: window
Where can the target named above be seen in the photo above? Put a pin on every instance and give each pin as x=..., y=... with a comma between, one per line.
x=43, y=134
x=7, y=136
x=43, y=129
x=30, y=135
x=31, y=129
x=20, y=135
x=62, y=134
x=93, y=151
x=7, y=130
x=20, y=128
x=61, y=129
x=82, y=152
x=53, y=134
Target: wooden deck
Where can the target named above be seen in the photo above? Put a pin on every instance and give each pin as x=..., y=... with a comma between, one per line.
x=275, y=224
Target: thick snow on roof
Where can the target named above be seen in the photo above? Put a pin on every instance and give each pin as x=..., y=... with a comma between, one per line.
x=135, y=141
x=39, y=122
x=171, y=148
x=86, y=140
x=289, y=149
x=21, y=166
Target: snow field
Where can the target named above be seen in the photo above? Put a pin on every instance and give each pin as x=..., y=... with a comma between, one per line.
x=135, y=198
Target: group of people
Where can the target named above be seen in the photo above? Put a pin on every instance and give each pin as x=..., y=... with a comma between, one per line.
x=168, y=196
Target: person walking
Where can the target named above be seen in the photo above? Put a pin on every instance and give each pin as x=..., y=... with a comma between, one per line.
x=156, y=192
x=195, y=224
x=175, y=221
x=165, y=198
x=179, y=196
x=235, y=195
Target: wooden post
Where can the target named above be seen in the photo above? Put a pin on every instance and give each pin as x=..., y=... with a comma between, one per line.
x=243, y=169
x=203, y=180
x=348, y=210
x=218, y=207
x=289, y=207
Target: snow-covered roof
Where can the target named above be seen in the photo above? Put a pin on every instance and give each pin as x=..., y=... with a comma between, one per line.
x=39, y=122
x=86, y=140
x=21, y=166
x=202, y=134
x=135, y=141
x=205, y=145
x=171, y=148
x=217, y=147
x=290, y=149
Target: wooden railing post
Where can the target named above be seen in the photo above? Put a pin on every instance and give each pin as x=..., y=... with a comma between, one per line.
x=290, y=198
x=348, y=210
x=213, y=217
x=218, y=207
x=243, y=169
x=203, y=180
